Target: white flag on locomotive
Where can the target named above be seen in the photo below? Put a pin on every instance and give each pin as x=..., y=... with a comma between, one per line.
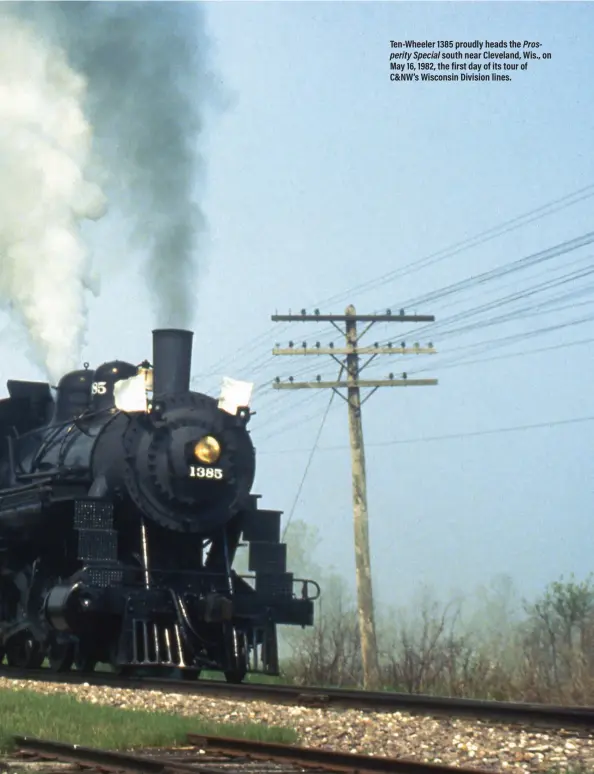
x=130, y=394
x=234, y=395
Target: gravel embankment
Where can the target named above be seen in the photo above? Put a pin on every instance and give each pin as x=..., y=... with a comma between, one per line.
x=488, y=746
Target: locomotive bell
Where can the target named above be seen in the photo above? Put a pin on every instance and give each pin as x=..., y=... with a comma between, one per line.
x=148, y=377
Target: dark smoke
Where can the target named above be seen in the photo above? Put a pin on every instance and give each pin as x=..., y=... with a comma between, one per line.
x=148, y=87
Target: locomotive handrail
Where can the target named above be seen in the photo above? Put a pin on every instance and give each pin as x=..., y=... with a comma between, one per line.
x=51, y=476
x=87, y=414
x=305, y=586
x=26, y=488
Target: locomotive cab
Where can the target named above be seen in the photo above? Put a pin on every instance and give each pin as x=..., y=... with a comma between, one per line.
x=104, y=379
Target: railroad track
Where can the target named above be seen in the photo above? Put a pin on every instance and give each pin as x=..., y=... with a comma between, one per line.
x=531, y=714
x=221, y=755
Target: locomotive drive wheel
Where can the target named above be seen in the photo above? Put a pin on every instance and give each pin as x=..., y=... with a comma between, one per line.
x=24, y=652
x=124, y=671
x=238, y=661
x=83, y=661
x=235, y=676
x=190, y=674
x=238, y=670
x=61, y=655
x=85, y=664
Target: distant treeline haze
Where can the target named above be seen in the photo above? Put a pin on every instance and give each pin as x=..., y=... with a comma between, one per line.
x=495, y=646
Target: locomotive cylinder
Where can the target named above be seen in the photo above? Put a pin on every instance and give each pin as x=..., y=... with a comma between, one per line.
x=66, y=605
x=172, y=361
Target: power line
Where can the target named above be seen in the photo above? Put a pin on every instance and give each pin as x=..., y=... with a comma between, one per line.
x=526, y=293
x=522, y=263
x=475, y=433
x=524, y=353
x=473, y=241
x=456, y=363
x=476, y=240
x=515, y=428
x=495, y=274
x=305, y=472
x=444, y=328
x=509, y=268
x=561, y=249
x=476, y=348
x=466, y=351
x=270, y=418
x=279, y=410
x=513, y=338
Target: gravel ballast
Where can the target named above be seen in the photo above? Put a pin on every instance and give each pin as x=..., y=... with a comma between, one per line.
x=479, y=744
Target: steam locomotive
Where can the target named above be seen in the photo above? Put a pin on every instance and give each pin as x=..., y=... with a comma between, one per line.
x=123, y=501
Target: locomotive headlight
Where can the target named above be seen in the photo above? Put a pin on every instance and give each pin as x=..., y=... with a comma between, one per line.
x=207, y=450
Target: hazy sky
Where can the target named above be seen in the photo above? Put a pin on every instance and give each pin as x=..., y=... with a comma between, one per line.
x=323, y=175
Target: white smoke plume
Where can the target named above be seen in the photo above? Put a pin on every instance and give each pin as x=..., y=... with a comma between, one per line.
x=45, y=144
x=148, y=87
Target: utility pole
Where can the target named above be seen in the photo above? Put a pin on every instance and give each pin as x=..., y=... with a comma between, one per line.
x=353, y=384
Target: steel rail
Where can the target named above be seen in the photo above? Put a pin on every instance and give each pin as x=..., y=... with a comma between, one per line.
x=299, y=757
x=382, y=701
x=311, y=757
x=105, y=760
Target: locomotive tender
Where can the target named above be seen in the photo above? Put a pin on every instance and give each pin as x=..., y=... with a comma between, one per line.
x=119, y=527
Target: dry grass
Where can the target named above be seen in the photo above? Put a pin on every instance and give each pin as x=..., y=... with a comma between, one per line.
x=540, y=652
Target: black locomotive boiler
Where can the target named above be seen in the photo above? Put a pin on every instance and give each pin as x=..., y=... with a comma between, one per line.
x=119, y=528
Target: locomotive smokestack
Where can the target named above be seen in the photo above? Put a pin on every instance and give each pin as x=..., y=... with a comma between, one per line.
x=172, y=361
